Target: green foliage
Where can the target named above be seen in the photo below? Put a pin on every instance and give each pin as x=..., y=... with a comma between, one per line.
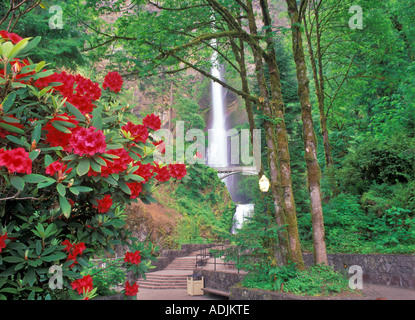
x=316, y=281
x=107, y=277
x=203, y=201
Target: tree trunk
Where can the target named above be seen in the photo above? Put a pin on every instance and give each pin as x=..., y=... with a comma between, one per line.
x=310, y=143
x=282, y=141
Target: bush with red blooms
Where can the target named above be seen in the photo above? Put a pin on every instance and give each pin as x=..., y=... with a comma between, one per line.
x=71, y=159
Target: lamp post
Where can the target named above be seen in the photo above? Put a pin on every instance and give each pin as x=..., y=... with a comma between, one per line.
x=264, y=183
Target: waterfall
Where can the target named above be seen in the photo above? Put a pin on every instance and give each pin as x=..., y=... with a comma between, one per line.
x=218, y=149
x=242, y=212
x=218, y=153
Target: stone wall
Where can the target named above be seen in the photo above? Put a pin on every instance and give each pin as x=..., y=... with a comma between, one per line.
x=219, y=280
x=383, y=269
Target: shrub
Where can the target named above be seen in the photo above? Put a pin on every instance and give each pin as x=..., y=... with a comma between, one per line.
x=69, y=163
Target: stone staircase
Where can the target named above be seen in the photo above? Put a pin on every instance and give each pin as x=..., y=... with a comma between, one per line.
x=173, y=276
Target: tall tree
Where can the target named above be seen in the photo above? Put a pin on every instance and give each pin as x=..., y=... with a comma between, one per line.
x=310, y=141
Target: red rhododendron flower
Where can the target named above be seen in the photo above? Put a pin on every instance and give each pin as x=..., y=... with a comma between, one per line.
x=14, y=38
x=58, y=138
x=3, y=241
x=177, y=170
x=82, y=285
x=4, y=132
x=152, y=121
x=136, y=188
x=138, y=132
x=73, y=250
x=131, y=290
x=57, y=167
x=104, y=204
x=87, y=141
x=113, y=81
x=163, y=173
x=16, y=160
x=144, y=170
x=133, y=257
x=78, y=90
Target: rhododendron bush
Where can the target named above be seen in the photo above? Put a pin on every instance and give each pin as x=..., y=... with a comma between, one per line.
x=71, y=158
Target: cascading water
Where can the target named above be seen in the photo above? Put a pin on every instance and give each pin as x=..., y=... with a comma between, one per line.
x=218, y=148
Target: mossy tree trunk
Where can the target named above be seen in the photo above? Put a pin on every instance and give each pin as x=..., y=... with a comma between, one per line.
x=310, y=141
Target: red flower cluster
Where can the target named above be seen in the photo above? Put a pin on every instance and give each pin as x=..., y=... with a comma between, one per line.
x=144, y=170
x=133, y=257
x=152, y=121
x=16, y=160
x=82, y=285
x=87, y=141
x=131, y=290
x=14, y=38
x=57, y=167
x=163, y=173
x=113, y=81
x=136, y=188
x=3, y=241
x=79, y=91
x=177, y=170
x=138, y=132
x=58, y=138
x=104, y=204
x=73, y=250
x=4, y=132
x=114, y=165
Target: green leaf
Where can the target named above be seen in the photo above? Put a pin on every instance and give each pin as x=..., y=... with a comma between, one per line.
x=65, y=206
x=47, y=183
x=8, y=101
x=36, y=133
x=60, y=127
x=97, y=122
x=13, y=259
x=61, y=189
x=17, y=182
x=22, y=141
x=48, y=160
x=34, y=178
x=123, y=186
x=75, y=111
x=83, y=166
x=11, y=128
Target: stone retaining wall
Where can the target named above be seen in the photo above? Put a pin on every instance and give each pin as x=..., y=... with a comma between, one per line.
x=219, y=280
x=383, y=269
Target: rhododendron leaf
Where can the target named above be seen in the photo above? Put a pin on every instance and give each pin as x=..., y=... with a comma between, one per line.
x=11, y=128
x=66, y=124
x=110, y=180
x=6, y=48
x=34, y=154
x=30, y=45
x=84, y=189
x=48, y=160
x=8, y=101
x=114, y=146
x=99, y=160
x=97, y=122
x=22, y=141
x=134, y=156
x=123, y=186
x=34, y=178
x=17, y=182
x=60, y=127
x=65, y=206
x=136, y=177
x=17, y=48
x=10, y=119
x=47, y=183
x=39, y=66
x=83, y=166
x=75, y=111
x=95, y=166
x=61, y=189
x=37, y=131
